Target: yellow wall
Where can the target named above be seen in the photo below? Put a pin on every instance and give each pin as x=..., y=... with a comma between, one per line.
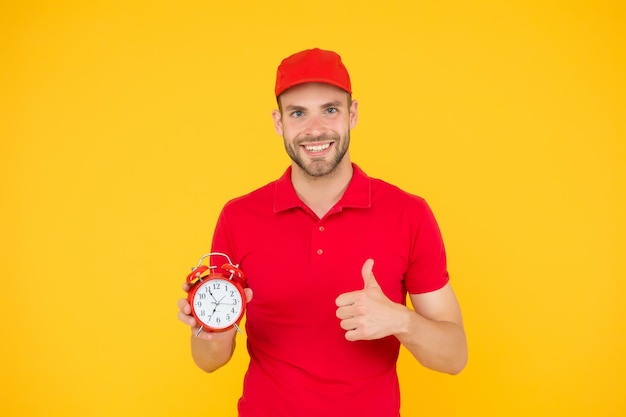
x=126, y=125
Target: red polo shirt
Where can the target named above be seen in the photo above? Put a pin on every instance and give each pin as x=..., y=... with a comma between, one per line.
x=297, y=264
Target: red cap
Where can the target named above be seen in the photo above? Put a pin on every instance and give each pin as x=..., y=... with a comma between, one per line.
x=312, y=66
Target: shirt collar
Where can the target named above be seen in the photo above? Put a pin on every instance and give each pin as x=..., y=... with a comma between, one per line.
x=357, y=195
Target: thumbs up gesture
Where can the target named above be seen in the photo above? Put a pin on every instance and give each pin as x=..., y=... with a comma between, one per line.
x=368, y=314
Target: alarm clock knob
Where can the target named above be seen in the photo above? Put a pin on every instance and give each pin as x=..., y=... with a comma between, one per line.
x=196, y=273
x=233, y=270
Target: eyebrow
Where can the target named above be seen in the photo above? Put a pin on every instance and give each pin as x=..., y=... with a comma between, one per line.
x=295, y=107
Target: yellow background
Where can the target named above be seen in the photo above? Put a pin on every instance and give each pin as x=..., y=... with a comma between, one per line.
x=126, y=125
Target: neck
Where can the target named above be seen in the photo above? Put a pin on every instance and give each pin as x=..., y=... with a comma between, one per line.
x=320, y=194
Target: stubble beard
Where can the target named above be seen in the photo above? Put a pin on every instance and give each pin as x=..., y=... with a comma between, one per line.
x=318, y=168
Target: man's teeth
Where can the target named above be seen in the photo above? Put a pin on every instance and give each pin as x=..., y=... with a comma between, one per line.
x=317, y=148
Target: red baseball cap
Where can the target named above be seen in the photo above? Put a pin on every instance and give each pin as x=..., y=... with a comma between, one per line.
x=312, y=66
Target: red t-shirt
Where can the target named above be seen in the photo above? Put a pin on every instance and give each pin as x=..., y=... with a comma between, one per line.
x=297, y=265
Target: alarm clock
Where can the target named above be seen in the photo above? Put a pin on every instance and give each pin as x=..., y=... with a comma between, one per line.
x=216, y=296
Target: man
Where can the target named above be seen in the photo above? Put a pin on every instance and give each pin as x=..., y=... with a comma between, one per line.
x=330, y=254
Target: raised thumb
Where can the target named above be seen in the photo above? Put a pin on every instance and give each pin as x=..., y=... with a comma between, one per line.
x=368, y=275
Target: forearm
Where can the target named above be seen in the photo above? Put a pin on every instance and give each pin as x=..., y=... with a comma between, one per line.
x=437, y=345
x=210, y=355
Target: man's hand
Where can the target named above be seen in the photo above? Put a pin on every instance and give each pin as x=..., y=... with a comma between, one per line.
x=368, y=314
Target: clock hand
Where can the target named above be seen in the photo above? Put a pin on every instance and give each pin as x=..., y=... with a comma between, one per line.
x=211, y=294
x=213, y=312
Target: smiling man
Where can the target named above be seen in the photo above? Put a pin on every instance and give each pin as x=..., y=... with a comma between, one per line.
x=324, y=326
x=317, y=118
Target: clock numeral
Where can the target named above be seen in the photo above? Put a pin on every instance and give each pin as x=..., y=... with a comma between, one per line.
x=202, y=296
x=217, y=286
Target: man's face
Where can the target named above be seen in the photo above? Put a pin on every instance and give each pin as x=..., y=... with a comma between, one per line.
x=315, y=124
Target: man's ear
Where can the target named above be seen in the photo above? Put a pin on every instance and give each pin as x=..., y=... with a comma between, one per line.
x=354, y=113
x=278, y=122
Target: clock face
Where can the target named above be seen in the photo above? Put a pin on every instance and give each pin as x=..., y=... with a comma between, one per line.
x=218, y=303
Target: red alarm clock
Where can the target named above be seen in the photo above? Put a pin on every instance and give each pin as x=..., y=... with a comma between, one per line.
x=216, y=295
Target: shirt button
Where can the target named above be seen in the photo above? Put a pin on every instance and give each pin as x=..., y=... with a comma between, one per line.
x=322, y=228
x=320, y=251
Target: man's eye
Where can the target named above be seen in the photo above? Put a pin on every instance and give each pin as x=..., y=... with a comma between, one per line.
x=297, y=113
x=332, y=110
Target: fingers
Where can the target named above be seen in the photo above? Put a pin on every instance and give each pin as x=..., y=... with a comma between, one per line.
x=350, y=323
x=350, y=317
x=248, y=293
x=343, y=313
x=183, y=305
x=359, y=311
x=184, y=313
x=344, y=300
x=354, y=329
x=368, y=274
x=369, y=281
x=353, y=335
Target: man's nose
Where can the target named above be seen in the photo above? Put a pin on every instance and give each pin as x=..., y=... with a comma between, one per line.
x=315, y=126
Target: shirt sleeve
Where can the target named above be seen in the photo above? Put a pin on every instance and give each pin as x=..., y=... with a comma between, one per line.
x=221, y=237
x=427, y=270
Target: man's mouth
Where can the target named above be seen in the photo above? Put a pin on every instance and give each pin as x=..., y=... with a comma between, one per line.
x=317, y=148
